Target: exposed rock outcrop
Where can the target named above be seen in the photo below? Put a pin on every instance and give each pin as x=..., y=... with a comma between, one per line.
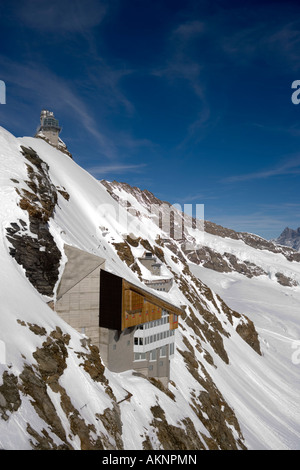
x=32, y=245
x=35, y=381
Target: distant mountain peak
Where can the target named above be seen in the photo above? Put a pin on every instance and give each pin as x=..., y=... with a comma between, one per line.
x=289, y=237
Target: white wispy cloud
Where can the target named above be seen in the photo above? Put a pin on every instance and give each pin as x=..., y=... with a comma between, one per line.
x=199, y=197
x=276, y=42
x=180, y=64
x=189, y=29
x=101, y=170
x=265, y=221
x=40, y=83
x=40, y=87
x=289, y=167
x=59, y=16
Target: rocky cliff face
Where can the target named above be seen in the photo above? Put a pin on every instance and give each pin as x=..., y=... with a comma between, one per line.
x=32, y=244
x=206, y=255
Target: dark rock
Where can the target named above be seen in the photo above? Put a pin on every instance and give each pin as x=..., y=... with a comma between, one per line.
x=38, y=254
x=10, y=400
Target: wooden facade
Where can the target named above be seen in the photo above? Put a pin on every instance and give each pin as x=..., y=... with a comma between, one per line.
x=138, y=310
x=124, y=305
x=173, y=321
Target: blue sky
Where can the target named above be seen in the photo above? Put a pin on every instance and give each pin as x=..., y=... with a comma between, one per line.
x=188, y=99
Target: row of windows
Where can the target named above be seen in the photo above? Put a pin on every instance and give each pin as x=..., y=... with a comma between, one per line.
x=153, y=338
x=155, y=353
x=151, y=324
x=50, y=122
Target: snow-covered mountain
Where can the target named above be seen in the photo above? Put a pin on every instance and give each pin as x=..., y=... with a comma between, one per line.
x=289, y=237
x=235, y=375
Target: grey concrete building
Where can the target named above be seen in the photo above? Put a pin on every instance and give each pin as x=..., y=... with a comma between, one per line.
x=133, y=328
x=150, y=262
x=162, y=284
x=78, y=299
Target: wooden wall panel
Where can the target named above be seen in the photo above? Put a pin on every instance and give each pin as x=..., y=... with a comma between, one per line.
x=124, y=305
x=173, y=321
x=137, y=310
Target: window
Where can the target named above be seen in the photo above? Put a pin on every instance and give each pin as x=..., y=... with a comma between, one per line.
x=163, y=351
x=172, y=349
x=139, y=356
x=153, y=355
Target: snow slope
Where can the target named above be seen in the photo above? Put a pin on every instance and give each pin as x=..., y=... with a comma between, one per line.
x=268, y=387
x=223, y=394
x=264, y=391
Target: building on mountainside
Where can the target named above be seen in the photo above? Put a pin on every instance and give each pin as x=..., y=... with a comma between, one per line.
x=150, y=262
x=49, y=127
x=49, y=130
x=160, y=284
x=133, y=328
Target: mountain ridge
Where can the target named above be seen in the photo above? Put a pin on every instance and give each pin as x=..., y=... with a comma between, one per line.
x=55, y=376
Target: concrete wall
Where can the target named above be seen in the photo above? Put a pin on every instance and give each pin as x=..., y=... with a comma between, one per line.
x=152, y=265
x=52, y=136
x=80, y=306
x=117, y=349
x=158, y=368
x=117, y=353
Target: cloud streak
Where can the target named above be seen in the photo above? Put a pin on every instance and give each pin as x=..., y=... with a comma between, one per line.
x=61, y=17
x=290, y=167
x=268, y=220
x=43, y=85
x=40, y=87
x=100, y=170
